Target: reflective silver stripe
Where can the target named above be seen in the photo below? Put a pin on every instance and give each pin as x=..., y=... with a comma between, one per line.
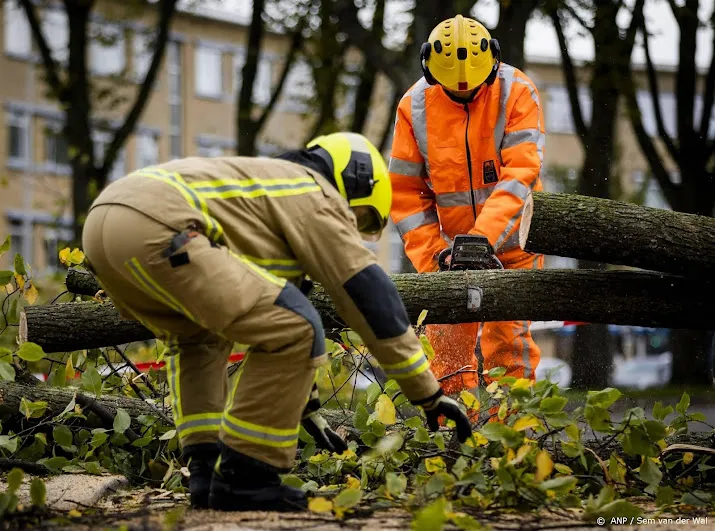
x=451, y=199
x=511, y=243
x=414, y=221
x=542, y=140
x=519, y=137
x=446, y=238
x=507, y=230
x=506, y=76
x=406, y=167
x=514, y=187
x=419, y=118
x=208, y=424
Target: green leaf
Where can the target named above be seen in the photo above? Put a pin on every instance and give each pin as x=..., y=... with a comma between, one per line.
x=92, y=381
x=373, y=391
x=649, y=472
x=433, y=517
x=7, y=372
x=604, y=398
x=560, y=485
x=122, y=421
x=656, y=430
x=660, y=412
x=467, y=523
x=509, y=437
x=5, y=247
x=439, y=441
x=684, y=404
x=664, y=496
x=553, y=404
x=9, y=443
x=144, y=441
x=92, y=467
x=5, y=353
x=168, y=435
x=14, y=480
x=439, y=482
x=62, y=435
x=496, y=372
x=618, y=508
x=637, y=442
x=32, y=410
x=98, y=439
x=396, y=484
x=292, y=480
x=413, y=422
x=20, y=265
x=30, y=352
x=68, y=408
x=421, y=435
x=598, y=418
x=360, y=418
x=55, y=463
x=5, y=277
x=697, y=498
x=347, y=498
x=38, y=492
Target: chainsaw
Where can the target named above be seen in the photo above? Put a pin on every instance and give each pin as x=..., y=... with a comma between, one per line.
x=469, y=251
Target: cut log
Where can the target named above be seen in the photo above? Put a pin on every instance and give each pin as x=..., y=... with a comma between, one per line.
x=614, y=232
x=635, y=298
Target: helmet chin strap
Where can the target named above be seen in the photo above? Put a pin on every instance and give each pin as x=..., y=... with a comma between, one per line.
x=457, y=99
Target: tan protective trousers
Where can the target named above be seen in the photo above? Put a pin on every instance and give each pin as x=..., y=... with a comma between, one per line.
x=505, y=344
x=200, y=309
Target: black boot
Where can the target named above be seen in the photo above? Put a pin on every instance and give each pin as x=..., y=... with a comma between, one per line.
x=201, y=459
x=243, y=483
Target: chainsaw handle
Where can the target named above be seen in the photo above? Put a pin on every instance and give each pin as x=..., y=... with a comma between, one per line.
x=442, y=259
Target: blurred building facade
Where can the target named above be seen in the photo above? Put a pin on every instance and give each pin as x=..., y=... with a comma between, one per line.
x=192, y=112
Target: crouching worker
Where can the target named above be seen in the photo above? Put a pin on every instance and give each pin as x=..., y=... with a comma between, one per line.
x=206, y=252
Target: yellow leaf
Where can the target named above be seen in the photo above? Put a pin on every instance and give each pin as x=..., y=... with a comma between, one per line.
x=65, y=255
x=522, y=383
x=427, y=347
x=31, y=294
x=544, y=465
x=502, y=411
x=76, y=256
x=421, y=318
x=469, y=400
x=492, y=387
x=526, y=422
x=320, y=505
x=69, y=369
x=494, y=461
x=521, y=453
x=318, y=458
x=74, y=513
x=573, y=432
x=385, y=410
x=688, y=482
x=688, y=458
x=20, y=281
x=9, y=288
x=510, y=455
x=347, y=455
x=435, y=464
x=353, y=483
x=563, y=469
x=479, y=439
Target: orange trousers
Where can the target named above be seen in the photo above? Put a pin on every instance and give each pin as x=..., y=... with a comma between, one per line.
x=505, y=344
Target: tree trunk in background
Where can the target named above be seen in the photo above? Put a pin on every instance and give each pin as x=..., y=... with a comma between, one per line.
x=692, y=357
x=511, y=30
x=247, y=128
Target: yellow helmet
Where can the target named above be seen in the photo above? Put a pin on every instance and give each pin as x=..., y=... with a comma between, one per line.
x=460, y=54
x=360, y=175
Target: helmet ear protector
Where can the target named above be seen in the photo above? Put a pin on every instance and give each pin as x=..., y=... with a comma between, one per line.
x=357, y=176
x=426, y=51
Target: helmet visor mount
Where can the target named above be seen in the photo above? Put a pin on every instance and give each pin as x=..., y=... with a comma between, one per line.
x=357, y=176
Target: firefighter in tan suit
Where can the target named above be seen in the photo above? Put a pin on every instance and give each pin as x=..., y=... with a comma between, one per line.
x=206, y=252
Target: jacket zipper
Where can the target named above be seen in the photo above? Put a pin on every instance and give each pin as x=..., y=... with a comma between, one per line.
x=469, y=164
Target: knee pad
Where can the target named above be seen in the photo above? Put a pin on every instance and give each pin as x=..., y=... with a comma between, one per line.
x=291, y=298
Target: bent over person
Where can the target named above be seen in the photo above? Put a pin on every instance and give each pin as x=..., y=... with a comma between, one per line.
x=467, y=149
x=206, y=252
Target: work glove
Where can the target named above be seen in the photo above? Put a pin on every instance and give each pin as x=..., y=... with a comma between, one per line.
x=443, y=258
x=439, y=404
x=318, y=427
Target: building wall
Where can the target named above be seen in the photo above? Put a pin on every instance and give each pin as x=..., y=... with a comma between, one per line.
x=191, y=112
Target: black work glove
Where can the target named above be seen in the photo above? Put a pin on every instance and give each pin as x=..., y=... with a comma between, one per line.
x=442, y=258
x=439, y=404
x=318, y=427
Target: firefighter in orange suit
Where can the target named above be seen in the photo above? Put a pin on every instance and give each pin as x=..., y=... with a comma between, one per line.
x=206, y=252
x=467, y=150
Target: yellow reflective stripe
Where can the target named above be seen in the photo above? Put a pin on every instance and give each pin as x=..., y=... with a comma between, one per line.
x=150, y=285
x=239, y=372
x=252, y=188
x=414, y=365
x=215, y=231
x=280, y=267
x=263, y=435
x=173, y=374
x=200, y=422
x=265, y=274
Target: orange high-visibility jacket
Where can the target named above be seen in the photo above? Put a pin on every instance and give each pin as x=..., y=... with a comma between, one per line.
x=468, y=167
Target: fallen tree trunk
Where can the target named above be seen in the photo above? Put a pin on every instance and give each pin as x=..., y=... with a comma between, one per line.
x=614, y=232
x=635, y=298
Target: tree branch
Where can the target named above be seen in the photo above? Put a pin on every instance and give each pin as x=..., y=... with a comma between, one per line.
x=708, y=99
x=655, y=99
x=167, y=8
x=248, y=77
x=568, y=7
x=390, y=122
x=570, y=75
x=51, y=69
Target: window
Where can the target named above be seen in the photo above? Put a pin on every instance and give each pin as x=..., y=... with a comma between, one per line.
x=667, y=111
x=206, y=150
x=209, y=72
x=18, y=138
x=101, y=140
x=56, y=31
x=107, y=49
x=175, y=99
x=55, y=239
x=17, y=239
x=300, y=87
x=147, y=150
x=698, y=113
x=263, y=83
x=143, y=50
x=349, y=86
x=18, y=38
x=56, y=149
x=559, y=118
